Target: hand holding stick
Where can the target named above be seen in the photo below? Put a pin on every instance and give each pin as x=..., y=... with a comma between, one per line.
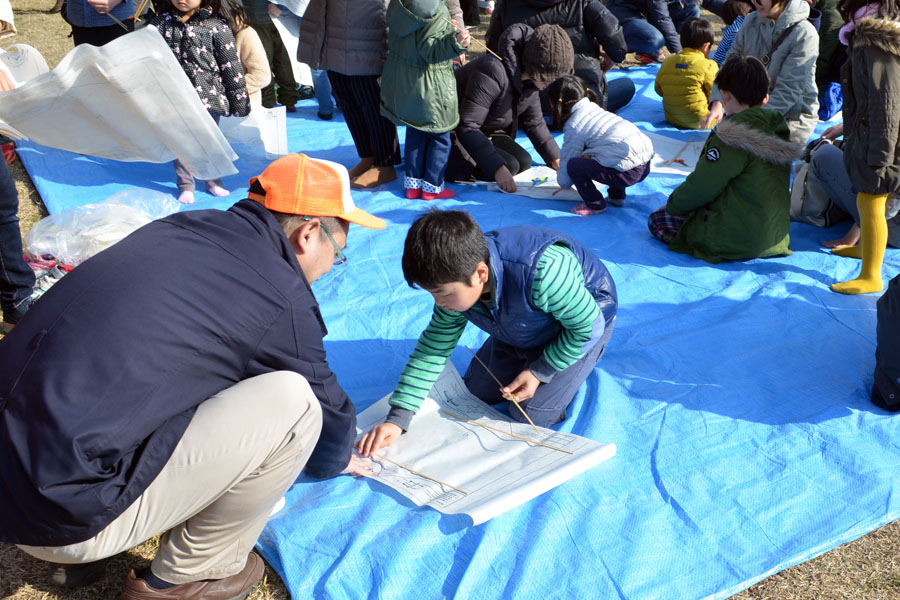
x=476, y=40
x=511, y=397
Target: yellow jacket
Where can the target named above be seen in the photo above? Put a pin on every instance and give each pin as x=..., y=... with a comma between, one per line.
x=685, y=81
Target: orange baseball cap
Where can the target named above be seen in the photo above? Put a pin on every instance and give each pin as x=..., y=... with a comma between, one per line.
x=299, y=185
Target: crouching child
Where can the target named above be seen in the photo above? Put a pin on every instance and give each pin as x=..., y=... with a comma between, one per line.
x=736, y=203
x=547, y=302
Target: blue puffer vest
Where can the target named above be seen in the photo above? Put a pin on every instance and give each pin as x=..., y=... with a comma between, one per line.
x=515, y=252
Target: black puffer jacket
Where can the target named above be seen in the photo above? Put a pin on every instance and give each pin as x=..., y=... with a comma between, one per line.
x=493, y=99
x=588, y=23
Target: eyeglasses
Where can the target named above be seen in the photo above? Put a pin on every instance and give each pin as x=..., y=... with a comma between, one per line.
x=339, y=256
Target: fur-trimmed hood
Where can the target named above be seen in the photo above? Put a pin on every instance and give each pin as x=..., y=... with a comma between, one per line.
x=757, y=133
x=881, y=33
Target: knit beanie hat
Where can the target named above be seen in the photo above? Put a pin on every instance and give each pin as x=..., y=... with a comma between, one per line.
x=548, y=54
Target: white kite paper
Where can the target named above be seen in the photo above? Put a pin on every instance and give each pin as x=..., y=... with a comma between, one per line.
x=128, y=100
x=665, y=149
x=495, y=471
x=539, y=182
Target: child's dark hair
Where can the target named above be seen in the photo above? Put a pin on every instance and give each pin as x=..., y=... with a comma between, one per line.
x=233, y=12
x=889, y=9
x=564, y=93
x=165, y=6
x=443, y=246
x=733, y=9
x=696, y=32
x=745, y=78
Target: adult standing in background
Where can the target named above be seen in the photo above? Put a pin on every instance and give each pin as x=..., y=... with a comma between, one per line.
x=94, y=22
x=596, y=36
x=779, y=34
x=650, y=24
x=348, y=38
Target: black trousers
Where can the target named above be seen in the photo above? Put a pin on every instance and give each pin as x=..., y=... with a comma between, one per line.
x=98, y=36
x=359, y=97
x=280, y=64
x=461, y=166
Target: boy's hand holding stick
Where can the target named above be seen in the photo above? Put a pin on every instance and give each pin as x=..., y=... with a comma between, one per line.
x=472, y=39
x=511, y=397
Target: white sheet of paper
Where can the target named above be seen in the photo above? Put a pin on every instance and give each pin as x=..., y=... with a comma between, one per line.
x=665, y=149
x=264, y=130
x=128, y=100
x=549, y=189
x=498, y=471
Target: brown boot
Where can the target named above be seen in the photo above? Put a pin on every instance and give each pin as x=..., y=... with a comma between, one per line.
x=235, y=587
x=374, y=177
x=364, y=165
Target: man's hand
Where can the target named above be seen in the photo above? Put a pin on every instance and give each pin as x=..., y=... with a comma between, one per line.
x=6, y=83
x=522, y=387
x=715, y=114
x=606, y=63
x=274, y=11
x=554, y=164
x=357, y=466
x=104, y=6
x=834, y=132
x=380, y=436
x=505, y=180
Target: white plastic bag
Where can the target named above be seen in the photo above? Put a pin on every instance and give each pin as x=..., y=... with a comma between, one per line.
x=73, y=236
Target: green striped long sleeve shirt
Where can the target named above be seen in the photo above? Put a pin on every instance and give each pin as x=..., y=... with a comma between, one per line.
x=559, y=289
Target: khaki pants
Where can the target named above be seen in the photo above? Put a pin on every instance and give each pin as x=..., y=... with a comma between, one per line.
x=242, y=450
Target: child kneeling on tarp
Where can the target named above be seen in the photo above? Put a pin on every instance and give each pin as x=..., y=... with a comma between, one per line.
x=547, y=302
x=736, y=203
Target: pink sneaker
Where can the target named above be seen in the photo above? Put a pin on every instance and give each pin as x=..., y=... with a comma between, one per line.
x=413, y=193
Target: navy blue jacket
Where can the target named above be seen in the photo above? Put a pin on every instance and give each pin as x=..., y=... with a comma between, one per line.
x=655, y=12
x=515, y=252
x=100, y=380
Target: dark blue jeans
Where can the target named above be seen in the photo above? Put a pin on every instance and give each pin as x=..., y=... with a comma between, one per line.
x=16, y=277
x=426, y=155
x=644, y=38
x=585, y=171
x=550, y=401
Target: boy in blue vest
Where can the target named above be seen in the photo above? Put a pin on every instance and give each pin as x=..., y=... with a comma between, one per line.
x=547, y=302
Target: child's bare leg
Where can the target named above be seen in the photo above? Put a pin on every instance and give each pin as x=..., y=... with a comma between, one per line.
x=851, y=238
x=214, y=187
x=185, y=182
x=872, y=244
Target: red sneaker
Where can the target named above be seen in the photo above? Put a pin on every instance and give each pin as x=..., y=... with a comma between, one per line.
x=446, y=193
x=9, y=152
x=649, y=59
x=413, y=193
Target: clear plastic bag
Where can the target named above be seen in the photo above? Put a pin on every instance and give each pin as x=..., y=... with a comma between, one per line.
x=73, y=236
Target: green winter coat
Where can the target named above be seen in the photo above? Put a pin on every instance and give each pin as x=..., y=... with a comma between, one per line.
x=737, y=200
x=418, y=87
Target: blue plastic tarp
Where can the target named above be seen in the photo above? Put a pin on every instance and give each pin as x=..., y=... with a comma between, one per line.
x=737, y=396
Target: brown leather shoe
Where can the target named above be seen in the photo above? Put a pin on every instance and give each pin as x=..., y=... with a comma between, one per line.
x=362, y=166
x=235, y=587
x=374, y=177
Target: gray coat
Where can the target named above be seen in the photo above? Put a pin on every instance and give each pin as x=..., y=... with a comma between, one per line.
x=792, y=68
x=345, y=36
x=871, y=83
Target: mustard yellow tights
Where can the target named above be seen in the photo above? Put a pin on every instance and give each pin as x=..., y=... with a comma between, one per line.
x=872, y=243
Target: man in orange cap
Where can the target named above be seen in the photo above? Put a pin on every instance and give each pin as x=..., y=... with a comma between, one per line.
x=177, y=382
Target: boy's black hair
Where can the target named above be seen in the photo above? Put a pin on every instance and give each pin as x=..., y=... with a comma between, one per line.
x=733, y=9
x=696, y=32
x=443, y=246
x=164, y=6
x=564, y=93
x=889, y=9
x=745, y=78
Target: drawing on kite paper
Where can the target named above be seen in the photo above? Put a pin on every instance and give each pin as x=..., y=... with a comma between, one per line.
x=462, y=456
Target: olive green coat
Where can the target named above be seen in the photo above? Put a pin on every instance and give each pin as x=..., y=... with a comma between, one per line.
x=737, y=200
x=418, y=87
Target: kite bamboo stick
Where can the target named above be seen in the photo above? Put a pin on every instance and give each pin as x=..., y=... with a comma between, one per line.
x=121, y=24
x=677, y=154
x=140, y=10
x=473, y=38
x=414, y=472
x=518, y=437
x=514, y=400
